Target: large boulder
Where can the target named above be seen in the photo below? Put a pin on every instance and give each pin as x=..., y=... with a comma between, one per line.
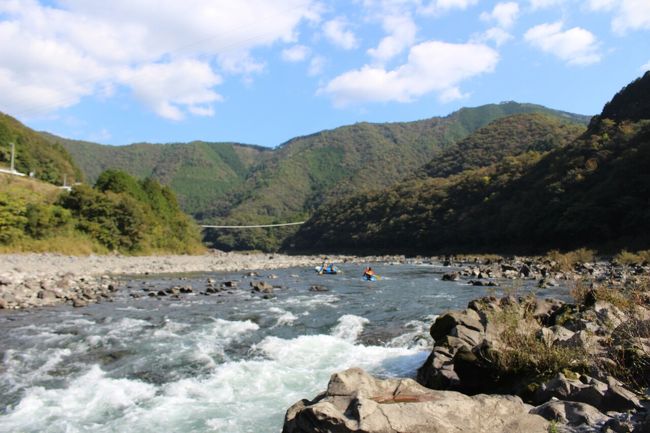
x=571, y=413
x=357, y=402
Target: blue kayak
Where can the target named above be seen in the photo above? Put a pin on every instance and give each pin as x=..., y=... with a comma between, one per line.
x=369, y=278
x=330, y=270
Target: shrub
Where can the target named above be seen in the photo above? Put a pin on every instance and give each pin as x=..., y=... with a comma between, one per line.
x=567, y=261
x=45, y=220
x=12, y=218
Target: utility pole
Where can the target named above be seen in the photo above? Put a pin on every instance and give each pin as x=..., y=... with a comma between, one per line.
x=13, y=151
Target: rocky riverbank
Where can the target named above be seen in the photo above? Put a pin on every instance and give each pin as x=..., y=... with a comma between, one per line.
x=512, y=364
x=39, y=280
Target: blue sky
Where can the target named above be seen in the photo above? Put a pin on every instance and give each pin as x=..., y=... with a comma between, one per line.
x=264, y=71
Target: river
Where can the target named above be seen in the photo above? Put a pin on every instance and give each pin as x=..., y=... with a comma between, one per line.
x=229, y=362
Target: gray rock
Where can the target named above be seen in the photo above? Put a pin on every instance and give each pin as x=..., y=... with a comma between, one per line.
x=619, y=399
x=78, y=303
x=587, y=390
x=446, y=322
x=453, y=276
x=261, y=286
x=318, y=288
x=583, y=340
x=357, y=402
x=571, y=412
x=47, y=296
x=544, y=309
x=615, y=425
x=469, y=335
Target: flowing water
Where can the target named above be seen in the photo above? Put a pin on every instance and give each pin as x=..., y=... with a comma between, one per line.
x=232, y=362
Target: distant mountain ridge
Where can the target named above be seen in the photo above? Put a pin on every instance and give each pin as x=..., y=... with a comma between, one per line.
x=200, y=173
x=508, y=136
x=593, y=191
x=238, y=184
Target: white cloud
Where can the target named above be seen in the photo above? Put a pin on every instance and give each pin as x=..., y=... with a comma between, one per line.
x=543, y=4
x=575, y=46
x=628, y=14
x=401, y=34
x=441, y=6
x=240, y=62
x=336, y=31
x=646, y=67
x=296, y=53
x=601, y=5
x=316, y=65
x=505, y=14
x=494, y=34
x=169, y=87
x=452, y=94
x=432, y=66
x=55, y=55
x=632, y=15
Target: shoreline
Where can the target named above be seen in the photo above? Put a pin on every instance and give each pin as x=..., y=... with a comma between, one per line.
x=34, y=280
x=51, y=264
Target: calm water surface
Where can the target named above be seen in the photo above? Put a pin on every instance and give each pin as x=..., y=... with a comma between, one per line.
x=232, y=362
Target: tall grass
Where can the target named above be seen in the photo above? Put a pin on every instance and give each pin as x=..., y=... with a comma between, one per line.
x=523, y=353
x=628, y=258
x=74, y=244
x=567, y=261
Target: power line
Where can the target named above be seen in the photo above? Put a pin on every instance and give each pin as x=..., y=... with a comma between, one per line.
x=254, y=226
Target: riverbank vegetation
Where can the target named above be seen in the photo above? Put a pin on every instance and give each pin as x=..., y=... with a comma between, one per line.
x=119, y=214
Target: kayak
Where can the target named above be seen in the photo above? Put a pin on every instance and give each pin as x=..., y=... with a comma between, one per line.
x=370, y=278
x=328, y=270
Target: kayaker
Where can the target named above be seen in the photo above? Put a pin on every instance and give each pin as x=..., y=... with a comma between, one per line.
x=325, y=267
x=368, y=273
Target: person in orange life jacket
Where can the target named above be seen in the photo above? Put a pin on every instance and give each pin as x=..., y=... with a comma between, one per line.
x=368, y=273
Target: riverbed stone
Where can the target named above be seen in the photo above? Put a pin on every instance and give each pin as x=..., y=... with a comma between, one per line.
x=452, y=276
x=618, y=398
x=571, y=412
x=357, y=402
x=261, y=286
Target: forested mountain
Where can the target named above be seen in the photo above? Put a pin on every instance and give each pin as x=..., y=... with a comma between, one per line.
x=35, y=155
x=202, y=174
x=594, y=191
x=236, y=184
x=242, y=184
x=509, y=136
x=308, y=171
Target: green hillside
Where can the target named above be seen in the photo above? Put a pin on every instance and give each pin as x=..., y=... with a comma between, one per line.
x=308, y=171
x=508, y=136
x=594, y=191
x=49, y=162
x=235, y=184
x=120, y=213
x=202, y=174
